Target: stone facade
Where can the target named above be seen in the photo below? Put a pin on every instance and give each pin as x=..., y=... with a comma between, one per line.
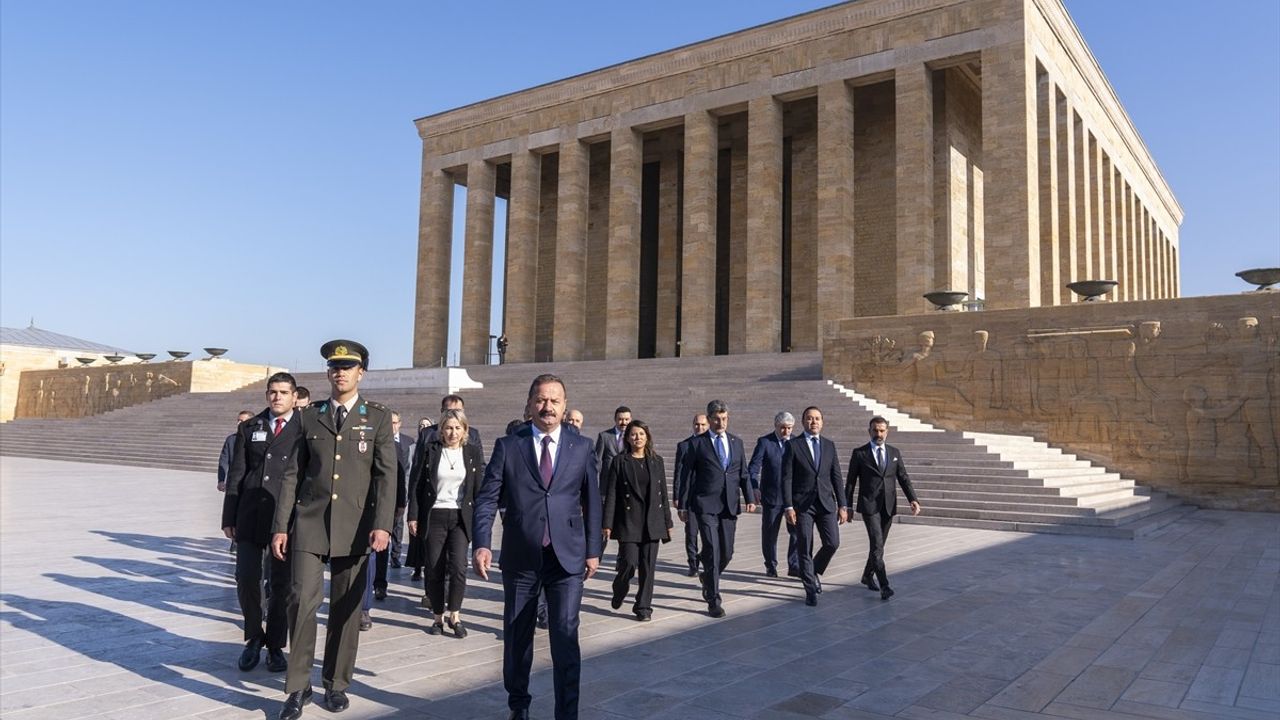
x=1182, y=395
x=17, y=359
x=736, y=194
x=83, y=391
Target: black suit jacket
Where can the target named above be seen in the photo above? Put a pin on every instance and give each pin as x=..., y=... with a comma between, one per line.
x=708, y=488
x=677, y=481
x=259, y=459
x=625, y=516
x=807, y=486
x=876, y=489
x=765, y=468
x=404, y=458
x=426, y=489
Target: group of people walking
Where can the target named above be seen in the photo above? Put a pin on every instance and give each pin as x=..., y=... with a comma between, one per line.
x=328, y=485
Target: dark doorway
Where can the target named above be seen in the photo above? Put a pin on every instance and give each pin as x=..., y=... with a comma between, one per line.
x=649, y=183
x=786, y=244
x=724, y=188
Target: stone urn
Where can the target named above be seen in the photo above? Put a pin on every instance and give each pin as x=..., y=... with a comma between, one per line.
x=1092, y=290
x=215, y=353
x=178, y=354
x=948, y=300
x=113, y=359
x=85, y=361
x=1264, y=278
x=144, y=357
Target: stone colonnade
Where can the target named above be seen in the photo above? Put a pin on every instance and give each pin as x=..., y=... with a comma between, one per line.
x=745, y=218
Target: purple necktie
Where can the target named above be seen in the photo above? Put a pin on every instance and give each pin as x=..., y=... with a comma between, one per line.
x=544, y=469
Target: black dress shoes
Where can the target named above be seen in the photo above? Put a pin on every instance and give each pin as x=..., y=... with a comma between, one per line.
x=793, y=572
x=417, y=575
x=716, y=611
x=644, y=615
x=810, y=598
x=249, y=657
x=519, y=715
x=380, y=593
x=618, y=598
x=276, y=661
x=693, y=570
x=395, y=563
x=292, y=709
x=366, y=620
x=541, y=622
x=886, y=592
x=871, y=583
x=336, y=700
x=771, y=572
x=817, y=583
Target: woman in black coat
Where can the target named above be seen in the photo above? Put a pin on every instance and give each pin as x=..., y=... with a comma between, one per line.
x=440, y=515
x=637, y=513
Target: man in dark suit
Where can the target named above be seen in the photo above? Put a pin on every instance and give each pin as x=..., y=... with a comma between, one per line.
x=391, y=556
x=609, y=442
x=545, y=478
x=342, y=478
x=715, y=470
x=875, y=472
x=404, y=457
x=765, y=470
x=228, y=450
x=813, y=493
x=690, y=522
x=264, y=444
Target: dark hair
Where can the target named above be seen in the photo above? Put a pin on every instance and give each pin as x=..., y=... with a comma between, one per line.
x=283, y=377
x=811, y=407
x=715, y=407
x=546, y=379
x=877, y=420
x=626, y=438
x=621, y=409
x=303, y=393
x=451, y=399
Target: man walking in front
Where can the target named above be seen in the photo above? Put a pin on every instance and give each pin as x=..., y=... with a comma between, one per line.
x=875, y=471
x=813, y=493
x=715, y=470
x=264, y=446
x=765, y=470
x=545, y=477
x=340, y=492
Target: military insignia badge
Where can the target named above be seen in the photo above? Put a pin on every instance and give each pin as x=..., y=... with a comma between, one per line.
x=364, y=446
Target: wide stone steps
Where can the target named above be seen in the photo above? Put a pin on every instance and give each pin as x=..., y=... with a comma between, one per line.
x=963, y=479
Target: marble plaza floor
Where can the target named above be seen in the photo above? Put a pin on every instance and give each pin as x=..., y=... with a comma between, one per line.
x=116, y=601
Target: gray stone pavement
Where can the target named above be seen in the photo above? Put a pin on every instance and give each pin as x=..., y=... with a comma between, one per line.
x=116, y=601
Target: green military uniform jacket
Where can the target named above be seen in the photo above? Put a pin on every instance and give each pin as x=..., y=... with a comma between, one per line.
x=341, y=484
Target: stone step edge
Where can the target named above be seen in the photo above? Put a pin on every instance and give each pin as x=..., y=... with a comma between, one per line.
x=897, y=420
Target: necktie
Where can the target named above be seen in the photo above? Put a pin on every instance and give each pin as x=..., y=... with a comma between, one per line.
x=722, y=452
x=814, y=440
x=880, y=456
x=340, y=414
x=544, y=469
x=279, y=425
x=619, y=440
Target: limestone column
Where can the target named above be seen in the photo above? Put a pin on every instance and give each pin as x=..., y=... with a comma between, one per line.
x=1084, y=205
x=913, y=117
x=622, y=305
x=1047, y=126
x=698, y=284
x=569, y=327
x=522, y=256
x=1009, y=155
x=835, y=203
x=1109, y=213
x=1100, y=269
x=1177, y=273
x=1126, y=241
x=764, y=226
x=435, y=250
x=1068, y=245
x=477, y=270
x=668, y=243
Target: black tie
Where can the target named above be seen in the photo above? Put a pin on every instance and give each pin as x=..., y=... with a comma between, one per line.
x=339, y=414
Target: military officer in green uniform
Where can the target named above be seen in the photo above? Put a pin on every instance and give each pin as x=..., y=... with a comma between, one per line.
x=337, y=502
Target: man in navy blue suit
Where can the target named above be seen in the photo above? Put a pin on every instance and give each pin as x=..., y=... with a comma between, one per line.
x=715, y=470
x=813, y=492
x=765, y=470
x=545, y=478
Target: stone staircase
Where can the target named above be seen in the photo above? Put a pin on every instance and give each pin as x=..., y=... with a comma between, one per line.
x=963, y=479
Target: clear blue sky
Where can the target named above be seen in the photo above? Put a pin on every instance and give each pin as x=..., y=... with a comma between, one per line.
x=175, y=175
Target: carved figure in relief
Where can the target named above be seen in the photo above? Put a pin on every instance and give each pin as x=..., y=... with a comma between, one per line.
x=1204, y=419
x=928, y=378
x=1251, y=357
x=985, y=374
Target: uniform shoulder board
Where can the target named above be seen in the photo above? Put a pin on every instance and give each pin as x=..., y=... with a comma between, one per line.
x=319, y=406
x=376, y=405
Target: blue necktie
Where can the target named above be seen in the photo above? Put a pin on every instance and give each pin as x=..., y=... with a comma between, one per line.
x=814, y=439
x=720, y=450
x=880, y=456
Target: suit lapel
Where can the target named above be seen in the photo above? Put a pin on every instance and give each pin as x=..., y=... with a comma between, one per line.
x=808, y=451
x=324, y=414
x=525, y=442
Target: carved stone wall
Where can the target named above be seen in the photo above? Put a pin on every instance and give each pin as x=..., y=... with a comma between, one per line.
x=80, y=392
x=1182, y=395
